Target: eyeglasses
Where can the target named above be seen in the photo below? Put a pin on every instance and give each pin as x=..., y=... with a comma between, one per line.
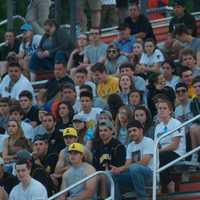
x=94, y=33
x=112, y=51
x=181, y=91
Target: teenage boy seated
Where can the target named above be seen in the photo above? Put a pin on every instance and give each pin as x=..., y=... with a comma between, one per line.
x=78, y=171
x=30, y=111
x=88, y=112
x=138, y=169
x=188, y=59
x=106, y=84
x=195, y=109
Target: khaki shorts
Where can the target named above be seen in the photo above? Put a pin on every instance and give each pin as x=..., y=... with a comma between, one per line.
x=93, y=4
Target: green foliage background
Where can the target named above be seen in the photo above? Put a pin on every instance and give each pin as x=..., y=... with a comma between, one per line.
x=21, y=10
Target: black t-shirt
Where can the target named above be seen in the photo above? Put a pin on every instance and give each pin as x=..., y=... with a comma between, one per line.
x=56, y=142
x=8, y=181
x=187, y=20
x=32, y=115
x=39, y=173
x=141, y=25
x=6, y=49
x=60, y=126
x=53, y=86
x=113, y=153
x=152, y=92
x=77, y=59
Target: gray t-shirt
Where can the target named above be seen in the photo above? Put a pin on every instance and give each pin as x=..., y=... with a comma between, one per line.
x=75, y=174
x=183, y=112
x=195, y=45
x=139, y=83
x=112, y=67
x=95, y=53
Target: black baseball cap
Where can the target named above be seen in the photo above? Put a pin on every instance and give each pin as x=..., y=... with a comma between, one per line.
x=179, y=3
x=41, y=138
x=178, y=85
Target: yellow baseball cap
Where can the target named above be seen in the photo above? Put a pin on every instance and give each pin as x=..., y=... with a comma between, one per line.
x=76, y=147
x=70, y=132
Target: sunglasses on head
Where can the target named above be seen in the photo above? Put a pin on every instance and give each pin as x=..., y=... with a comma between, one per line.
x=181, y=91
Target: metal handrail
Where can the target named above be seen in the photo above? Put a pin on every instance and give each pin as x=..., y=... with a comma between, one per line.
x=155, y=170
x=111, y=197
x=14, y=17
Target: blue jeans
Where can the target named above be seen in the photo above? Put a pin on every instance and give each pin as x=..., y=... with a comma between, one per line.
x=136, y=177
x=37, y=63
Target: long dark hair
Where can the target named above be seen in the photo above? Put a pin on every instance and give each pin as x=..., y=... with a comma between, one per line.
x=70, y=108
x=148, y=122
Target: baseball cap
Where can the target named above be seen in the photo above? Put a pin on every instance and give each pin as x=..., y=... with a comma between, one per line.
x=41, y=137
x=106, y=112
x=45, y=108
x=26, y=27
x=179, y=3
x=78, y=118
x=70, y=132
x=76, y=147
x=123, y=26
x=181, y=84
x=1, y=161
x=106, y=123
x=24, y=154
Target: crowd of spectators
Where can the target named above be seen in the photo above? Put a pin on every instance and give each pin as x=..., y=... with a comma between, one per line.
x=104, y=106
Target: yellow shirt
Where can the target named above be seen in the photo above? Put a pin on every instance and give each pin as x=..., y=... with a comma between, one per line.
x=191, y=92
x=109, y=87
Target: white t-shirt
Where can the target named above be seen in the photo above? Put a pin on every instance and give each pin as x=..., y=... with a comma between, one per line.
x=34, y=191
x=155, y=58
x=108, y=2
x=28, y=130
x=172, y=83
x=22, y=84
x=162, y=128
x=136, y=152
x=29, y=48
x=91, y=117
x=2, y=139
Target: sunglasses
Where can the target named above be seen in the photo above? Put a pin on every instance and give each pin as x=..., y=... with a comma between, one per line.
x=112, y=51
x=181, y=91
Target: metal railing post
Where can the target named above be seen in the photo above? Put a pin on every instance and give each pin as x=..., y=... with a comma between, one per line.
x=154, y=169
x=157, y=140
x=112, y=193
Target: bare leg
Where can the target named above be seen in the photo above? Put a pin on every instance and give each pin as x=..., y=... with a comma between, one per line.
x=3, y=68
x=80, y=15
x=96, y=18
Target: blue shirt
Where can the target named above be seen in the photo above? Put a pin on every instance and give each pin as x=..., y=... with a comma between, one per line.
x=126, y=45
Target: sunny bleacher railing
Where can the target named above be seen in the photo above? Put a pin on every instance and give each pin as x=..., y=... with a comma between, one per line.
x=155, y=157
x=112, y=186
